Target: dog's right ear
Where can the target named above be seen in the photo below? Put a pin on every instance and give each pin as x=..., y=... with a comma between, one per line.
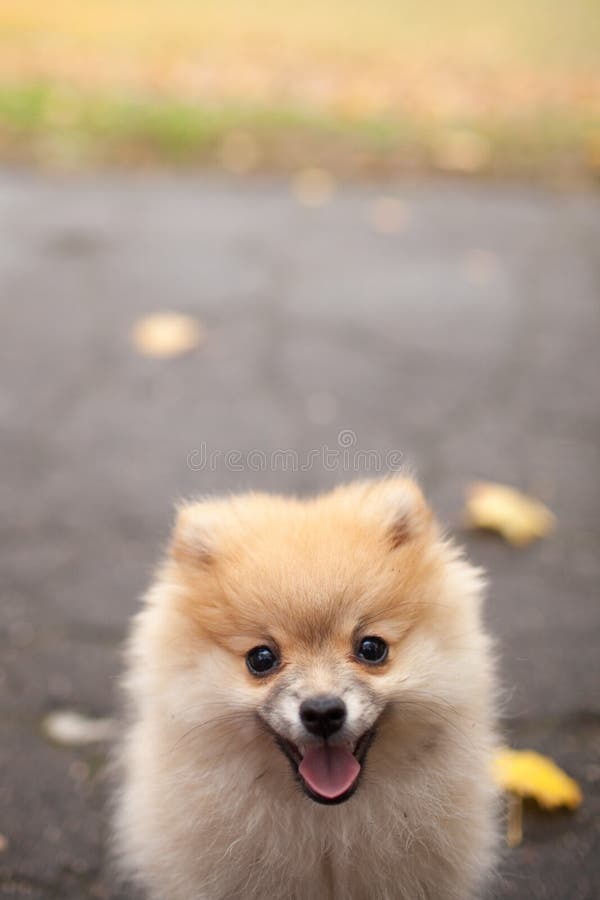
x=192, y=542
x=398, y=504
x=394, y=505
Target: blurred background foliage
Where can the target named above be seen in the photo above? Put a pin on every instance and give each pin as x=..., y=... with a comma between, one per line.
x=471, y=86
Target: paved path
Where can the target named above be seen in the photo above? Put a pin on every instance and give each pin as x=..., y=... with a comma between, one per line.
x=468, y=342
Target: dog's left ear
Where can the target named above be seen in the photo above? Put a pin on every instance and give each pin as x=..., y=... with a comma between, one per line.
x=400, y=507
x=193, y=539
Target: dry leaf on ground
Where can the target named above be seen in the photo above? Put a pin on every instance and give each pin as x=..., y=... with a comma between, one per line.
x=313, y=187
x=480, y=266
x=519, y=518
x=388, y=215
x=72, y=729
x=529, y=774
x=168, y=334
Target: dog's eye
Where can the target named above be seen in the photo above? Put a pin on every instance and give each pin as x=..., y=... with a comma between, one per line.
x=261, y=660
x=372, y=650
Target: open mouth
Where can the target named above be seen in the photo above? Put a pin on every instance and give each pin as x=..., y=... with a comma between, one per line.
x=328, y=773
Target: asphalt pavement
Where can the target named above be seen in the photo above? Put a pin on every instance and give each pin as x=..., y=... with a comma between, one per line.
x=453, y=327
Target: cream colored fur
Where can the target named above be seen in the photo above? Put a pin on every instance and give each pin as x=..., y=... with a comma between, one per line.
x=209, y=808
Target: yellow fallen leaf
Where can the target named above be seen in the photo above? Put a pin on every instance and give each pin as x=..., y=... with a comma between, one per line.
x=480, y=266
x=70, y=728
x=529, y=774
x=388, y=215
x=166, y=334
x=519, y=518
x=313, y=187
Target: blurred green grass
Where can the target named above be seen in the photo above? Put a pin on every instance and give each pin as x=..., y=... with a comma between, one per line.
x=354, y=86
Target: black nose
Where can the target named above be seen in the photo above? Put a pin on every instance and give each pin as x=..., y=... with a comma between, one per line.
x=323, y=715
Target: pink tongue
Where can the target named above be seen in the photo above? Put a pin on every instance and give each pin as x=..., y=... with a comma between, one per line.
x=329, y=771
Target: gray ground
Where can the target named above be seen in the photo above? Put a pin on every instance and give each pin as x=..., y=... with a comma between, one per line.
x=468, y=342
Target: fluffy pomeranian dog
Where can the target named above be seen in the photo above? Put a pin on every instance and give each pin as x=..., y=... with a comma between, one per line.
x=312, y=706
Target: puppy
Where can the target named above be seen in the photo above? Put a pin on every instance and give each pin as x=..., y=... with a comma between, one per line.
x=311, y=700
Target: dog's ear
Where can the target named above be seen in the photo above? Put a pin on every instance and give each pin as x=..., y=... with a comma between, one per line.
x=399, y=506
x=193, y=538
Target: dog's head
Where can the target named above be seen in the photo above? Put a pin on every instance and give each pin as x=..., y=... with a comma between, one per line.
x=331, y=624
